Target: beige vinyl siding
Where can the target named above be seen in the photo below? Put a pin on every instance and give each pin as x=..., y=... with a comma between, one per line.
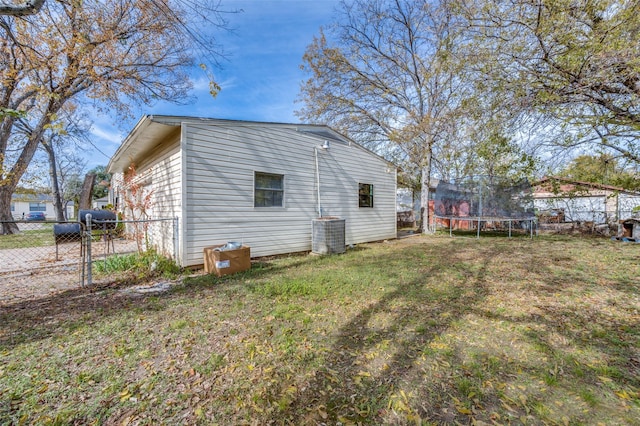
x=160, y=172
x=167, y=184
x=167, y=196
x=220, y=161
x=115, y=192
x=345, y=167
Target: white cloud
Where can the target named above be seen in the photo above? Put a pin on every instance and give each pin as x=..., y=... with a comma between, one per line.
x=110, y=134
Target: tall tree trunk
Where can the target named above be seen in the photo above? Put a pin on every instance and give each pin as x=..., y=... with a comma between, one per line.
x=55, y=185
x=8, y=224
x=12, y=177
x=87, y=191
x=10, y=184
x=424, y=201
x=425, y=182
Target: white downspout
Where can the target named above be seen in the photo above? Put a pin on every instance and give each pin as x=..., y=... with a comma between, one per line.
x=324, y=147
x=315, y=151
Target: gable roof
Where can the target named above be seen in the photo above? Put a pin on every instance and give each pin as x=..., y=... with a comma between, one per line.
x=31, y=198
x=152, y=129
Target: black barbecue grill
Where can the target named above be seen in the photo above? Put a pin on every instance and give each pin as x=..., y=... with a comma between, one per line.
x=101, y=219
x=103, y=222
x=67, y=233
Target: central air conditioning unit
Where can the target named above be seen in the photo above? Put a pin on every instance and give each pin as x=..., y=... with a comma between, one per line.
x=328, y=235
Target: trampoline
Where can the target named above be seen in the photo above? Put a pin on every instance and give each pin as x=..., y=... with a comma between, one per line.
x=485, y=203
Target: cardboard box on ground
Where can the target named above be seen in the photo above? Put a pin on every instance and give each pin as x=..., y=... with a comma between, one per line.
x=228, y=261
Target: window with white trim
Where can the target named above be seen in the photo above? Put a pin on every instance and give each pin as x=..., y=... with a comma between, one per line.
x=268, y=190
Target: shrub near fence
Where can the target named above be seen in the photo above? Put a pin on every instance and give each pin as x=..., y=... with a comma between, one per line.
x=54, y=255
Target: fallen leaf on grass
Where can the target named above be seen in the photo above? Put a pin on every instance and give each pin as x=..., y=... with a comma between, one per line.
x=623, y=395
x=508, y=407
x=359, y=376
x=322, y=412
x=345, y=421
x=464, y=410
x=125, y=395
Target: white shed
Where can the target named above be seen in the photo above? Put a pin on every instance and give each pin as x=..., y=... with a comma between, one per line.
x=258, y=183
x=584, y=201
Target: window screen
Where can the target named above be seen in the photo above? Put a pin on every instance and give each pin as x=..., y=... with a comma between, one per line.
x=365, y=195
x=269, y=190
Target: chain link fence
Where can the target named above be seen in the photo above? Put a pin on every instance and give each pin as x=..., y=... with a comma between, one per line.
x=601, y=222
x=45, y=257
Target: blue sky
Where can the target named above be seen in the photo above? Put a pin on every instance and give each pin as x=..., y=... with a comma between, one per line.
x=261, y=77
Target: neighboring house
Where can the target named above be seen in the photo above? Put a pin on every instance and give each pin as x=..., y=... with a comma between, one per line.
x=408, y=199
x=23, y=204
x=261, y=184
x=100, y=203
x=564, y=200
x=408, y=204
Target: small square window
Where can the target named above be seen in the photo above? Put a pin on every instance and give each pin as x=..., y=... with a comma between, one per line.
x=365, y=195
x=268, y=190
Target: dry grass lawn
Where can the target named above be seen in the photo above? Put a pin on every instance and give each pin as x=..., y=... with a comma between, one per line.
x=426, y=330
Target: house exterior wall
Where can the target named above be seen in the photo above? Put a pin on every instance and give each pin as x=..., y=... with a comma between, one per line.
x=599, y=205
x=584, y=201
x=584, y=208
x=166, y=184
x=219, y=163
x=202, y=172
x=100, y=203
x=626, y=204
x=161, y=175
x=19, y=209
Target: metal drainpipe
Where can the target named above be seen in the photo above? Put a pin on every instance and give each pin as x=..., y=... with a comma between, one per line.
x=315, y=151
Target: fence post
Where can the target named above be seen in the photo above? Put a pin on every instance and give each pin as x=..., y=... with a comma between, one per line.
x=89, y=262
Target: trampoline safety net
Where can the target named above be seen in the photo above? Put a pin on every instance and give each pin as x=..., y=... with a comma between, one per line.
x=485, y=199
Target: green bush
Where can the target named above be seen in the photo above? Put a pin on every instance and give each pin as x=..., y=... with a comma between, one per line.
x=148, y=264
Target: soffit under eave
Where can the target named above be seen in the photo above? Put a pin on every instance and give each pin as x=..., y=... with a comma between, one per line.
x=139, y=144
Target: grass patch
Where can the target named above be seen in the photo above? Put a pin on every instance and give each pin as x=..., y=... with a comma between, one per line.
x=428, y=329
x=38, y=235
x=147, y=264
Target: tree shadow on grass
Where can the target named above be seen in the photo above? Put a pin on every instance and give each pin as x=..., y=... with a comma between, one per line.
x=32, y=320
x=374, y=353
x=588, y=330
x=40, y=318
x=360, y=382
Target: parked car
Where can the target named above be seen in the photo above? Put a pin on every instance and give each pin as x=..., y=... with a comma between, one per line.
x=35, y=216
